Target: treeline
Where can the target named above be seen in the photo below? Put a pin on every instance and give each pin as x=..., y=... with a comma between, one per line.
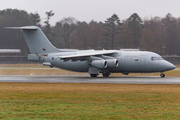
x=161, y=35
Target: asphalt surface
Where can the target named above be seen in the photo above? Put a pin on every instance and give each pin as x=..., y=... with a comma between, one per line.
x=41, y=68
x=88, y=79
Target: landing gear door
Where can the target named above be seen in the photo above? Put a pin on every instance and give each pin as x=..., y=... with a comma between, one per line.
x=142, y=60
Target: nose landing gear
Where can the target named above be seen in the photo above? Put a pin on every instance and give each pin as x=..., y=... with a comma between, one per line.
x=162, y=75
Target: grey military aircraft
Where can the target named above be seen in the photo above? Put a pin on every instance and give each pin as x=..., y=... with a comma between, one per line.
x=91, y=61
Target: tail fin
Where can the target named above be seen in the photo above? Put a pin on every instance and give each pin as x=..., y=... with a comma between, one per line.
x=37, y=42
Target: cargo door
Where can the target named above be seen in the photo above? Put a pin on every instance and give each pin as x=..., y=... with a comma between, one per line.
x=142, y=60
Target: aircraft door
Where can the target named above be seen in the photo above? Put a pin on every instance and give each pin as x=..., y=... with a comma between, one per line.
x=142, y=60
x=56, y=60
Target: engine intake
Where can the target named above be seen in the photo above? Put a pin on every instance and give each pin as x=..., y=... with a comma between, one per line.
x=101, y=64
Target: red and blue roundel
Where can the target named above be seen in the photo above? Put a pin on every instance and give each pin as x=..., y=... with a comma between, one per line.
x=52, y=58
x=44, y=49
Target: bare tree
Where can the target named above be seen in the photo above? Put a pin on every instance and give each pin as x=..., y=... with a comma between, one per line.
x=79, y=36
x=65, y=28
x=48, y=30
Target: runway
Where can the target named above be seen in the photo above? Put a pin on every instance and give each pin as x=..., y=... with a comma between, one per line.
x=88, y=79
x=41, y=68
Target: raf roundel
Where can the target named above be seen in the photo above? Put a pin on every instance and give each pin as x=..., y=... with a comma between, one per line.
x=52, y=58
x=44, y=49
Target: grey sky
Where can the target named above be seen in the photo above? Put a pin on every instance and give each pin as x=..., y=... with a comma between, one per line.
x=98, y=10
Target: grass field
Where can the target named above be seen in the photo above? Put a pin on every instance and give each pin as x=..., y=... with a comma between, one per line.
x=68, y=101
x=89, y=101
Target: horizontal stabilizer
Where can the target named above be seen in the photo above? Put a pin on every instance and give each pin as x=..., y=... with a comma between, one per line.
x=10, y=51
x=24, y=28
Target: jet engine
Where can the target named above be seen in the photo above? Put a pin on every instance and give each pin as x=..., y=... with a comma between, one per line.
x=99, y=64
x=112, y=62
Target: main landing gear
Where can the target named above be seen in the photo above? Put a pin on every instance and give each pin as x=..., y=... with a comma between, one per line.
x=105, y=73
x=93, y=75
x=162, y=75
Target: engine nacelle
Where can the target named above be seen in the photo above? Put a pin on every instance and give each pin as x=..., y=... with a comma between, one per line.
x=112, y=62
x=101, y=64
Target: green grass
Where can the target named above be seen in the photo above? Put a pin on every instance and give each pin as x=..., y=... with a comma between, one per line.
x=89, y=101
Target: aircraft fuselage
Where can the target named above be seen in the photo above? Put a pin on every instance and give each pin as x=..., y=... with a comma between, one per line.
x=128, y=62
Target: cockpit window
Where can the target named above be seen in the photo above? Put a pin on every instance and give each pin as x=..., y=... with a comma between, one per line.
x=156, y=58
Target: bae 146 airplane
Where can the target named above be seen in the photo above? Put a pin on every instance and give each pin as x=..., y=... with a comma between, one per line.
x=92, y=61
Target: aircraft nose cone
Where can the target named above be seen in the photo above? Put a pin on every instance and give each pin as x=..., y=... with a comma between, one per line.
x=173, y=66
x=170, y=66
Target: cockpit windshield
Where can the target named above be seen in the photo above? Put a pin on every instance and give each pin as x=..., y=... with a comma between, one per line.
x=156, y=58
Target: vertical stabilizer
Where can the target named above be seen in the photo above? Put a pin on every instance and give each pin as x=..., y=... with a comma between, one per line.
x=37, y=42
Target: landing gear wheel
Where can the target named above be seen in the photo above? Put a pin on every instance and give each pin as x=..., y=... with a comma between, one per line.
x=93, y=75
x=162, y=75
x=106, y=74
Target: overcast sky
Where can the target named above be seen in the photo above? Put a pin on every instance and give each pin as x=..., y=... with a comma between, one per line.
x=97, y=10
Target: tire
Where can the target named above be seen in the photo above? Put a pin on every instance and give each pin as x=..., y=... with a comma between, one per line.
x=162, y=75
x=105, y=75
x=93, y=75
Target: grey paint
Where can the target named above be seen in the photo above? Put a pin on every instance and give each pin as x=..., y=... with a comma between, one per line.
x=37, y=41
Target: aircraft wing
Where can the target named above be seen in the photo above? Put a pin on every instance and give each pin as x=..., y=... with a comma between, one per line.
x=82, y=55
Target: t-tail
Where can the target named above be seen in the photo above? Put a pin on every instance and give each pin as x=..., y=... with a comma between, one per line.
x=37, y=42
